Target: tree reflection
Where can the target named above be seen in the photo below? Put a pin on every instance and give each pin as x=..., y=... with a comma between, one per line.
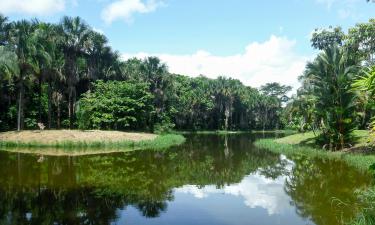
x=90, y=189
x=323, y=190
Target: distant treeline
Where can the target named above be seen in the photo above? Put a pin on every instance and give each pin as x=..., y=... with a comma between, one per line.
x=66, y=75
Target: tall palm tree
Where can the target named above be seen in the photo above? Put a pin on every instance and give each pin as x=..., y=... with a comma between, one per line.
x=51, y=61
x=76, y=35
x=23, y=42
x=154, y=72
x=96, y=44
x=8, y=70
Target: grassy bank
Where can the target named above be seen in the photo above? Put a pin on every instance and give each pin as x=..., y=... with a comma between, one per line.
x=304, y=144
x=112, y=142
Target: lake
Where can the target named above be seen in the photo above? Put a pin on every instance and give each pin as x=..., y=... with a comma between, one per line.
x=210, y=179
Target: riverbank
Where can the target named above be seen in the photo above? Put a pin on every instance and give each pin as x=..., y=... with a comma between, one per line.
x=360, y=156
x=75, y=142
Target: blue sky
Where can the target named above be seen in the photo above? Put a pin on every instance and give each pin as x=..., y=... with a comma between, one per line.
x=254, y=41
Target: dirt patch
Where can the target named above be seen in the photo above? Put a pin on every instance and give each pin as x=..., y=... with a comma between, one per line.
x=57, y=136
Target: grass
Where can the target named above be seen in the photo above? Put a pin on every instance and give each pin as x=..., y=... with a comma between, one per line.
x=91, y=147
x=303, y=143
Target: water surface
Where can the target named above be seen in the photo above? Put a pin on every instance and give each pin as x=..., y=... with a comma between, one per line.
x=210, y=179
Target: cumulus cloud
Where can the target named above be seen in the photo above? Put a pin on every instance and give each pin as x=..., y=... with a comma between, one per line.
x=125, y=9
x=32, y=7
x=274, y=60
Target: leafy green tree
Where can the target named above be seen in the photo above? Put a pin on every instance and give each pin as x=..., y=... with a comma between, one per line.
x=325, y=38
x=361, y=40
x=115, y=105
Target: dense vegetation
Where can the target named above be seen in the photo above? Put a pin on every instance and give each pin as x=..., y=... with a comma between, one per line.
x=336, y=93
x=66, y=75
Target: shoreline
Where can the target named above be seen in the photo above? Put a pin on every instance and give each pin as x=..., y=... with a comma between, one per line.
x=298, y=145
x=302, y=144
x=92, y=144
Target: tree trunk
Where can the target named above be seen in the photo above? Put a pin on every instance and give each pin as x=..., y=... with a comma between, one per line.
x=49, y=105
x=20, y=108
x=226, y=120
x=71, y=107
x=58, y=115
x=40, y=100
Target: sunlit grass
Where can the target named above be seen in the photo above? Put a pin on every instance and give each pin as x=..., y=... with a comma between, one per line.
x=160, y=142
x=360, y=161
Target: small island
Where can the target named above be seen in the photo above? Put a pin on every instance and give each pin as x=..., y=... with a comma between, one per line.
x=77, y=142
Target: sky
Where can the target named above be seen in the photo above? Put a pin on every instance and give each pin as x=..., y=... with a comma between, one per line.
x=253, y=41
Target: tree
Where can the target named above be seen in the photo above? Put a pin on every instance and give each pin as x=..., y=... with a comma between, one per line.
x=361, y=40
x=330, y=76
x=325, y=38
x=365, y=86
x=23, y=42
x=51, y=61
x=75, y=37
x=115, y=105
x=277, y=94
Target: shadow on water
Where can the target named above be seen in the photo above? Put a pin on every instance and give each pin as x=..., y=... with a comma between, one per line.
x=210, y=179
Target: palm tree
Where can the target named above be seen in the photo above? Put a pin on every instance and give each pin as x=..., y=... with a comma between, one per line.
x=95, y=52
x=51, y=61
x=364, y=86
x=75, y=34
x=330, y=77
x=8, y=70
x=155, y=72
x=23, y=42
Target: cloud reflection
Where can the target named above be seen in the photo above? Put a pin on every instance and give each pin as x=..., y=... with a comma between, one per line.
x=256, y=190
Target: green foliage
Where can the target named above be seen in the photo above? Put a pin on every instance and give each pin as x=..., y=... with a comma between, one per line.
x=49, y=73
x=165, y=126
x=360, y=161
x=325, y=38
x=115, y=105
x=326, y=101
x=367, y=216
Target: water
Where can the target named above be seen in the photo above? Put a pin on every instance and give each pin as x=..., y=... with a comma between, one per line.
x=211, y=179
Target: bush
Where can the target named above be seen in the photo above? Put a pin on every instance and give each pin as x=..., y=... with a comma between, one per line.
x=166, y=126
x=115, y=105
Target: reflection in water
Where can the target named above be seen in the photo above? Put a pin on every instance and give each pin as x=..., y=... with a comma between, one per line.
x=256, y=190
x=211, y=179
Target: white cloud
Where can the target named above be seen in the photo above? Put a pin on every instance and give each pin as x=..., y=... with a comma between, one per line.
x=125, y=9
x=274, y=60
x=32, y=7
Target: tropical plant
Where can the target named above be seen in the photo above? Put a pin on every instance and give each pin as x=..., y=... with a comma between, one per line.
x=330, y=76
